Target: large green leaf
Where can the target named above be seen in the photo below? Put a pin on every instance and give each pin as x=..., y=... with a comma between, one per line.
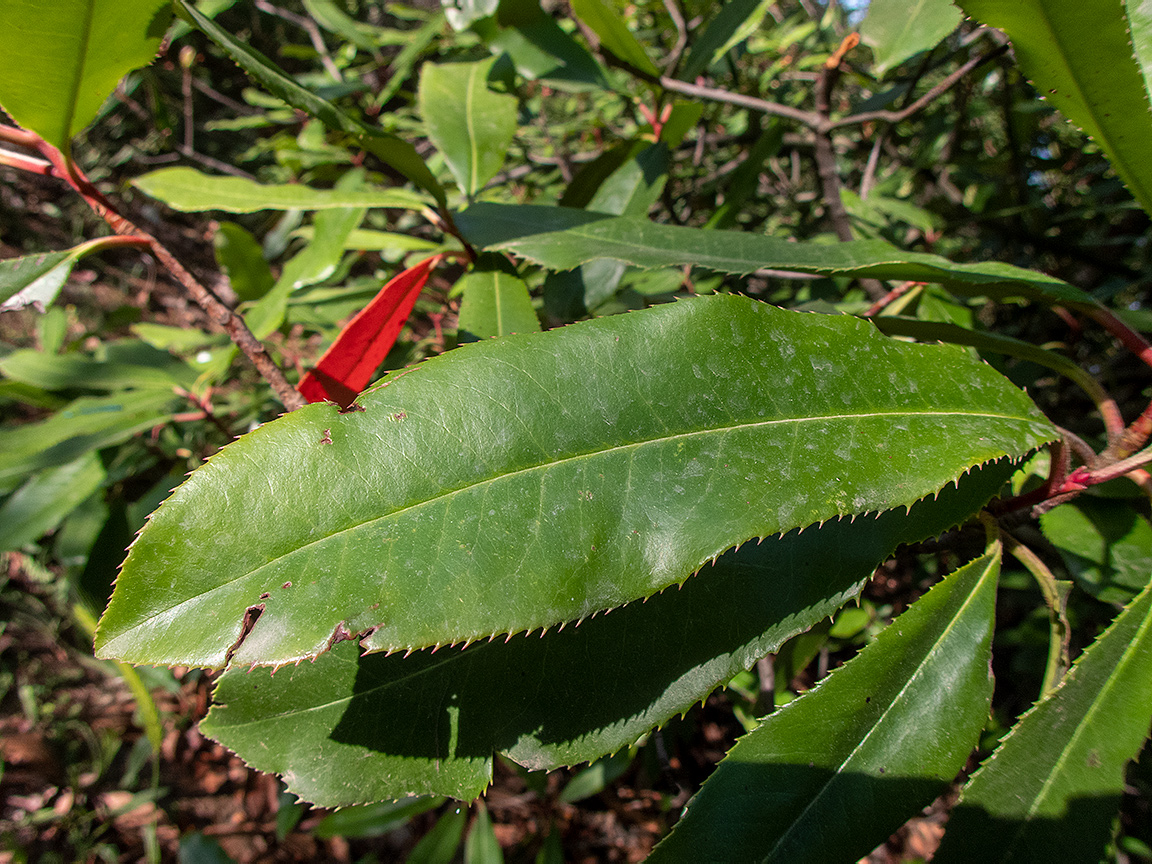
x=586, y=466
x=1051, y=790
x=541, y=50
x=562, y=238
x=190, y=190
x=430, y=722
x=829, y=776
x=59, y=61
x=1079, y=57
x=469, y=122
x=388, y=148
x=897, y=29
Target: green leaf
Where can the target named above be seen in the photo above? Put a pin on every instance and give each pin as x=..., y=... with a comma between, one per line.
x=374, y=820
x=429, y=723
x=387, y=148
x=561, y=238
x=439, y=845
x=18, y=274
x=59, y=61
x=1051, y=790
x=897, y=30
x=832, y=774
x=189, y=190
x=614, y=34
x=482, y=847
x=44, y=501
x=1106, y=545
x=734, y=23
x=241, y=258
x=495, y=302
x=541, y=50
x=62, y=372
x=596, y=777
x=471, y=124
x=1079, y=57
x=89, y=423
x=549, y=459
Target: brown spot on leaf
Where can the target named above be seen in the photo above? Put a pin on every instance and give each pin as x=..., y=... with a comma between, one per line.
x=326, y=438
x=351, y=408
x=286, y=585
x=251, y=616
x=265, y=596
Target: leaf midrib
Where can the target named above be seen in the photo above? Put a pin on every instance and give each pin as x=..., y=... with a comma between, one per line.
x=1081, y=728
x=551, y=464
x=896, y=699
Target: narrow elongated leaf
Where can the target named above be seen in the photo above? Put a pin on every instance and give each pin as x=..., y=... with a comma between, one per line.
x=17, y=274
x=61, y=372
x=481, y=845
x=1079, y=57
x=868, y=744
x=897, y=29
x=44, y=501
x=388, y=148
x=614, y=35
x=587, y=466
x=59, y=61
x=439, y=845
x=190, y=190
x=429, y=723
x=471, y=124
x=562, y=238
x=89, y=423
x=495, y=302
x=1051, y=789
x=725, y=30
x=37, y=279
x=348, y=365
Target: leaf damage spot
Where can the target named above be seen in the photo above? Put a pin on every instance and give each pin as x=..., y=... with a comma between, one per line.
x=286, y=585
x=351, y=408
x=326, y=438
x=251, y=616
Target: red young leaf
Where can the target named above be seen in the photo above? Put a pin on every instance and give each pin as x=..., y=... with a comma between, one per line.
x=347, y=366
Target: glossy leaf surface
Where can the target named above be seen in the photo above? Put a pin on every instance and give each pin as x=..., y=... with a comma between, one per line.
x=431, y=721
x=17, y=274
x=1105, y=544
x=1051, y=789
x=1079, y=56
x=830, y=775
x=897, y=30
x=562, y=238
x=589, y=466
x=190, y=190
x=468, y=121
x=42, y=503
x=59, y=61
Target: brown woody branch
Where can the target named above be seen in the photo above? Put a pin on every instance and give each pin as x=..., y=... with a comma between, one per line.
x=232, y=323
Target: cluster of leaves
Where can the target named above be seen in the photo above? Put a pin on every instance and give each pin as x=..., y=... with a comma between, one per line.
x=536, y=475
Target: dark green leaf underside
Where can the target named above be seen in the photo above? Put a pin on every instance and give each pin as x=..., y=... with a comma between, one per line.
x=561, y=238
x=430, y=722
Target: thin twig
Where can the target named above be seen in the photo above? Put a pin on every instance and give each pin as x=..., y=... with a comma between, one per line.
x=309, y=27
x=714, y=94
x=1055, y=592
x=232, y=324
x=681, y=34
x=926, y=99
